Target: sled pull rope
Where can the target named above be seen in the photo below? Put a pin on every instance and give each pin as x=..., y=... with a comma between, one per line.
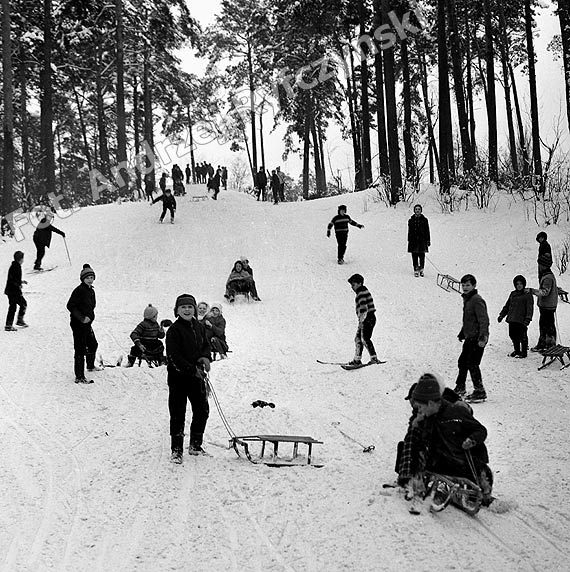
x=472, y=467
x=438, y=270
x=219, y=408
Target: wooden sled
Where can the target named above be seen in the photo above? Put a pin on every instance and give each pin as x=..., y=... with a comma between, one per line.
x=199, y=198
x=448, y=283
x=563, y=295
x=275, y=461
x=554, y=353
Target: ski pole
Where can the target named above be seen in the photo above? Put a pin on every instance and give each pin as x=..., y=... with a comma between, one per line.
x=67, y=250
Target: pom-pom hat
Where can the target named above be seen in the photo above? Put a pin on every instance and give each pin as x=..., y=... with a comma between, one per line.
x=150, y=312
x=86, y=271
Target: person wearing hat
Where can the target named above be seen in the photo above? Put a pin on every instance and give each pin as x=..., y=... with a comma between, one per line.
x=474, y=334
x=366, y=313
x=518, y=310
x=547, y=295
x=42, y=238
x=81, y=306
x=418, y=239
x=14, y=292
x=544, y=251
x=218, y=331
x=249, y=269
x=146, y=338
x=188, y=361
x=443, y=432
x=340, y=222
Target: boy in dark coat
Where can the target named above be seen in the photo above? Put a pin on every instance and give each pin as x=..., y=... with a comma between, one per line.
x=418, y=239
x=188, y=359
x=42, y=238
x=544, y=251
x=474, y=334
x=261, y=183
x=146, y=337
x=340, y=223
x=168, y=203
x=14, y=292
x=518, y=309
x=81, y=306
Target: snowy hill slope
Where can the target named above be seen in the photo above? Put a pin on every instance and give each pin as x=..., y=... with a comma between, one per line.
x=86, y=480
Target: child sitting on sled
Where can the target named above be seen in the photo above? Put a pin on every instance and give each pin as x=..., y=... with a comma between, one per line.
x=217, y=330
x=146, y=337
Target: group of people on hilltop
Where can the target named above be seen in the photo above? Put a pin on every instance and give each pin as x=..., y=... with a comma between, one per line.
x=276, y=182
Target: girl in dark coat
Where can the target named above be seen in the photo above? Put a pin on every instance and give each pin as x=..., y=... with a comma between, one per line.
x=14, y=292
x=42, y=238
x=81, y=306
x=418, y=239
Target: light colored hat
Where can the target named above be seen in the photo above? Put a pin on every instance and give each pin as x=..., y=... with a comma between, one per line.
x=150, y=312
x=217, y=305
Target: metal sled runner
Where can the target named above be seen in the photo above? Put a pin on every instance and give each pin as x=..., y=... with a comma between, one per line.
x=554, y=353
x=245, y=441
x=448, y=283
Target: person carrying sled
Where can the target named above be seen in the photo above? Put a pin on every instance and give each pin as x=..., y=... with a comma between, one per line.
x=518, y=310
x=14, y=292
x=366, y=313
x=42, y=238
x=146, y=338
x=168, y=204
x=81, y=306
x=447, y=440
x=547, y=294
x=340, y=222
x=188, y=361
x=418, y=240
x=474, y=334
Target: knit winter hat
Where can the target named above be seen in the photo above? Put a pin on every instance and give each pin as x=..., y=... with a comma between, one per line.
x=185, y=299
x=427, y=388
x=217, y=305
x=358, y=278
x=86, y=272
x=519, y=278
x=18, y=255
x=150, y=312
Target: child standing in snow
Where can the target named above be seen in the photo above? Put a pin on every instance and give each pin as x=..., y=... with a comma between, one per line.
x=146, y=337
x=518, y=309
x=168, y=203
x=14, y=292
x=418, y=239
x=188, y=355
x=340, y=223
x=81, y=306
x=544, y=251
x=366, y=313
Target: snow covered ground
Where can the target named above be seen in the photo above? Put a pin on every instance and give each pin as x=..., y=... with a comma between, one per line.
x=86, y=482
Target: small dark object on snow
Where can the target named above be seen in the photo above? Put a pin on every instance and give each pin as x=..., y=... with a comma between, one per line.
x=166, y=323
x=261, y=403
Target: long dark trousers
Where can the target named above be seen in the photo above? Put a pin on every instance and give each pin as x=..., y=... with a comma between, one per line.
x=85, y=347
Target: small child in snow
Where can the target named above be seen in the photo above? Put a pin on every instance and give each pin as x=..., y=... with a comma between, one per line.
x=146, y=337
x=217, y=330
x=14, y=292
x=340, y=223
x=518, y=309
x=168, y=203
x=366, y=313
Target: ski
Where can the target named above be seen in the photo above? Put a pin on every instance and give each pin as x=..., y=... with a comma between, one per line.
x=331, y=362
x=349, y=366
x=467, y=399
x=42, y=270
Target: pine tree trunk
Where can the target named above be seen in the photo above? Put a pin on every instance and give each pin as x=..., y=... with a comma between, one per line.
x=520, y=126
x=504, y=50
x=491, y=97
x=433, y=153
x=136, y=132
x=407, y=96
x=150, y=178
x=261, y=141
x=322, y=148
x=457, y=65
x=317, y=160
x=364, y=105
x=536, y=155
x=191, y=141
x=47, y=155
x=469, y=86
x=122, y=174
x=104, y=157
x=83, y=130
x=391, y=115
x=8, y=112
x=306, y=146
x=252, y=113
x=564, y=17
x=25, y=135
x=380, y=102
x=355, y=124
x=444, y=102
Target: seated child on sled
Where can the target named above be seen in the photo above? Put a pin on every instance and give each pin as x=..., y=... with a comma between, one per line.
x=146, y=337
x=216, y=327
x=240, y=281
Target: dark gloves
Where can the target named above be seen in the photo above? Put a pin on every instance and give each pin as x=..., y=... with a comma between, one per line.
x=328, y=233
x=500, y=319
x=166, y=323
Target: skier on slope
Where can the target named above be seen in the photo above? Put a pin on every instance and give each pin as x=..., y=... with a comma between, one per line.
x=168, y=203
x=188, y=361
x=42, y=238
x=366, y=313
x=443, y=438
x=340, y=222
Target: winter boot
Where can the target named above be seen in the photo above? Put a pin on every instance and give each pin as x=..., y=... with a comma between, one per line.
x=195, y=447
x=355, y=361
x=478, y=394
x=83, y=379
x=176, y=447
x=130, y=361
x=11, y=329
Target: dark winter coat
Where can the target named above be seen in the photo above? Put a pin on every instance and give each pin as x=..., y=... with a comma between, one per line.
x=167, y=200
x=261, y=180
x=82, y=303
x=218, y=326
x=162, y=183
x=475, y=318
x=547, y=291
x=14, y=282
x=42, y=234
x=518, y=308
x=147, y=330
x=544, y=254
x=418, y=234
x=444, y=432
x=275, y=182
x=186, y=343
